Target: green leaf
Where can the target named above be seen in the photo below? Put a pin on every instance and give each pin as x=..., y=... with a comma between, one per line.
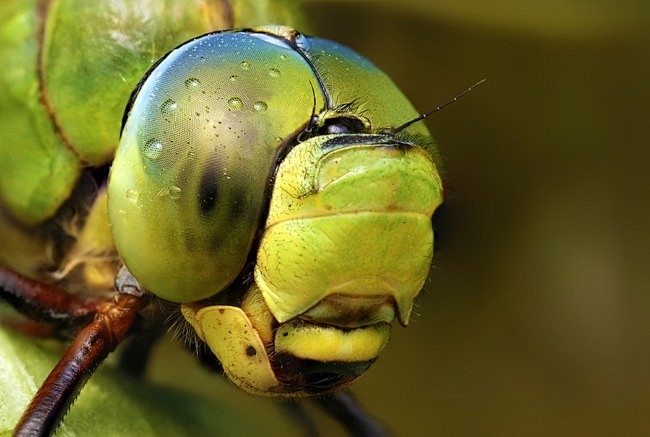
x=113, y=403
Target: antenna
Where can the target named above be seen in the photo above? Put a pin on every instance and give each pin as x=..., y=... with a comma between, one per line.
x=425, y=115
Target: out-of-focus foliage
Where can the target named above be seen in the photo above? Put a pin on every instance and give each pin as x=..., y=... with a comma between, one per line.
x=535, y=319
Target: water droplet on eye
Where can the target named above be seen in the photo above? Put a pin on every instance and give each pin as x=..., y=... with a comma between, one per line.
x=245, y=65
x=274, y=72
x=168, y=106
x=283, y=57
x=233, y=78
x=260, y=106
x=174, y=192
x=192, y=83
x=153, y=149
x=235, y=103
x=132, y=195
x=191, y=154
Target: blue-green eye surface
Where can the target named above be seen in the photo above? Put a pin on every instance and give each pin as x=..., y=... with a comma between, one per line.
x=200, y=144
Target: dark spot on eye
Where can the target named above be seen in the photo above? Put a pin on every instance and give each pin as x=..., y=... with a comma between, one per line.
x=285, y=334
x=221, y=310
x=251, y=351
x=208, y=189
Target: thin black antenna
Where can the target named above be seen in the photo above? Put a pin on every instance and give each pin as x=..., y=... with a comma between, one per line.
x=425, y=115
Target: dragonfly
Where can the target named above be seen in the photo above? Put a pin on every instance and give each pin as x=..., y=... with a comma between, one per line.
x=172, y=165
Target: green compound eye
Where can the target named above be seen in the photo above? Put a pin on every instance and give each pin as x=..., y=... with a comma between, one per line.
x=262, y=162
x=189, y=181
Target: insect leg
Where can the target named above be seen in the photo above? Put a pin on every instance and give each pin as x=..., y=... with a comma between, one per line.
x=45, y=302
x=91, y=346
x=346, y=410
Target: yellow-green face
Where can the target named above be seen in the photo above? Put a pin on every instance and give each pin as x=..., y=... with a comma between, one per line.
x=258, y=184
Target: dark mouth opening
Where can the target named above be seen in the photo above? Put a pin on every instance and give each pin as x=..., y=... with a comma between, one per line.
x=316, y=377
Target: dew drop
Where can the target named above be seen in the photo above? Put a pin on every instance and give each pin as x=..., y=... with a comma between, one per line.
x=260, y=106
x=235, y=103
x=274, y=72
x=168, y=106
x=153, y=149
x=233, y=78
x=245, y=65
x=174, y=192
x=132, y=195
x=191, y=154
x=283, y=57
x=192, y=83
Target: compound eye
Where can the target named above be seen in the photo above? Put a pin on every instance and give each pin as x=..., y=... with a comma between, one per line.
x=188, y=183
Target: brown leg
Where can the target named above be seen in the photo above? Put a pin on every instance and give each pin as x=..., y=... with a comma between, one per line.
x=29, y=328
x=45, y=302
x=105, y=323
x=91, y=346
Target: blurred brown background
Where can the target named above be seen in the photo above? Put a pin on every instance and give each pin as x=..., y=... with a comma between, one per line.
x=535, y=320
